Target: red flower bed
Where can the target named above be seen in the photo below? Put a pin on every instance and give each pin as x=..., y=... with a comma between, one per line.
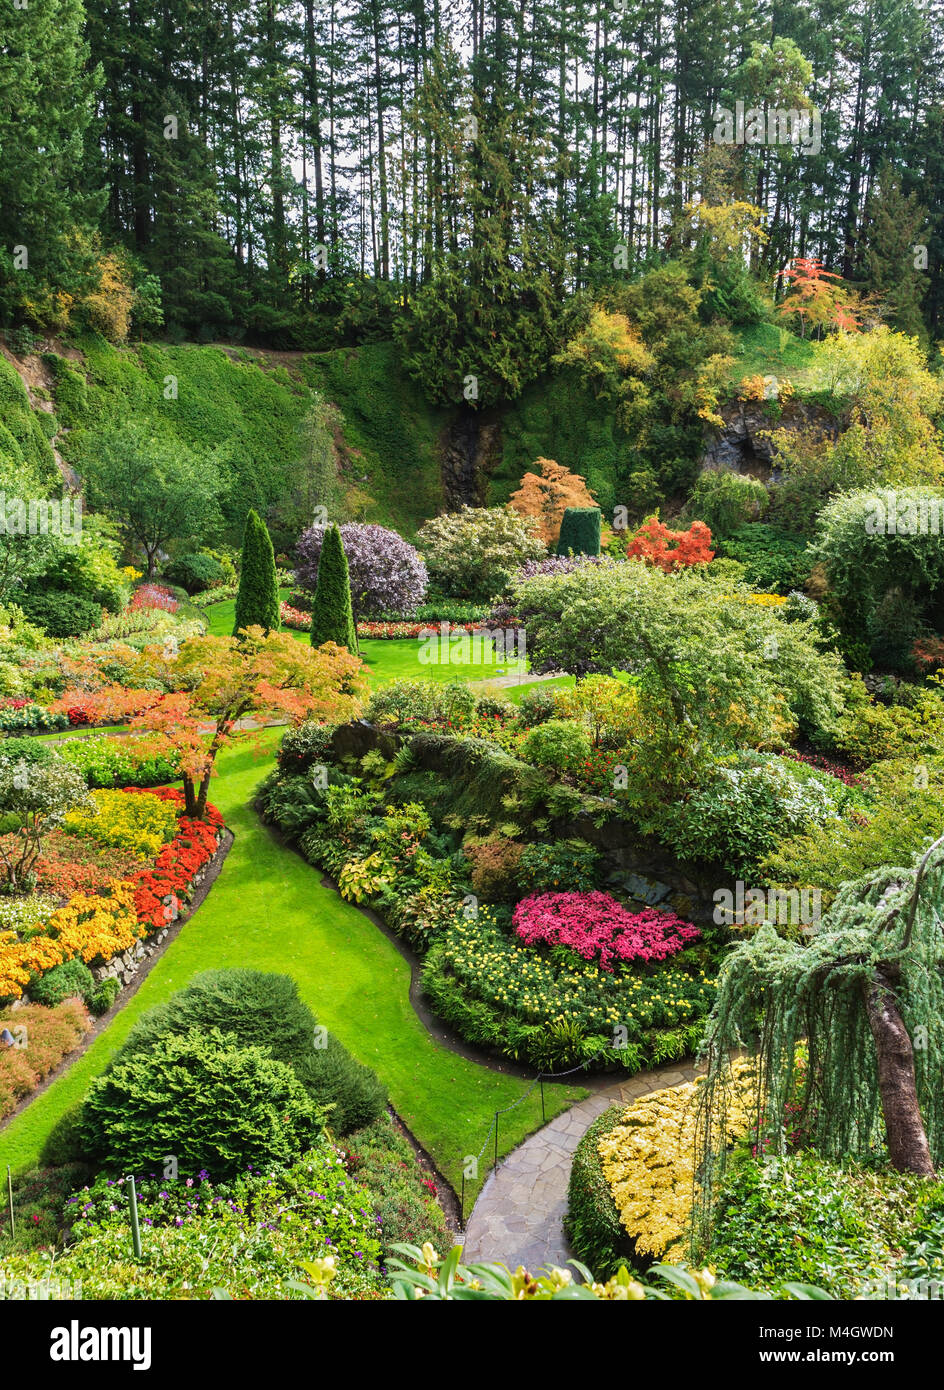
x=71, y=864
x=174, y=868
x=295, y=618
x=599, y=928
x=153, y=596
x=842, y=774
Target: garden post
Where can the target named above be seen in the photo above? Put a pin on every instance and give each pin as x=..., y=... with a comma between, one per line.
x=135, y=1228
x=10, y=1199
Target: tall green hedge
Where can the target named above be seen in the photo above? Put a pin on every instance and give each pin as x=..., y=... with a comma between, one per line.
x=580, y=531
x=332, y=617
x=257, y=599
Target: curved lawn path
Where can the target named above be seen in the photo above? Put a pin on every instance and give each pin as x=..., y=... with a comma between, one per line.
x=269, y=911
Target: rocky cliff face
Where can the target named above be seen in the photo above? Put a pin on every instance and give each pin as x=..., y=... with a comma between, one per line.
x=469, y=451
x=744, y=445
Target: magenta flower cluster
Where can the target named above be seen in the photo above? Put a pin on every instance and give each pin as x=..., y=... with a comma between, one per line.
x=599, y=928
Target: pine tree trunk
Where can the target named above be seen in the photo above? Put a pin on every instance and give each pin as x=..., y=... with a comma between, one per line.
x=904, y=1127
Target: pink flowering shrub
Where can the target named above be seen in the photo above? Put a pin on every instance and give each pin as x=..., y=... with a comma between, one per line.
x=153, y=596
x=599, y=928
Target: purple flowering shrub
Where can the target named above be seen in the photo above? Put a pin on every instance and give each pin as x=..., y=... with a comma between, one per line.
x=387, y=574
x=553, y=564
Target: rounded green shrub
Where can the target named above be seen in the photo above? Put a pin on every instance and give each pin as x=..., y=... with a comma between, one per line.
x=580, y=531
x=263, y=1010
x=332, y=1077
x=556, y=745
x=61, y=614
x=102, y=998
x=304, y=746
x=194, y=572
x=212, y=1102
x=259, y=1009
x=592, y=1224
x=536, y=706
x=72, y=977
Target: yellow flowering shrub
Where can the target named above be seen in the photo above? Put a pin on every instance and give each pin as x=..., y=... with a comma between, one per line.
x=648, y=1161
x=136, y=821
x=94, y=926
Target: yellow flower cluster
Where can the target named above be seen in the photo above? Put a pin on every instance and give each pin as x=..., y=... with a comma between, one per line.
x=649, y=1159
x=95, y=926
x=136, y=821
x=760, y=600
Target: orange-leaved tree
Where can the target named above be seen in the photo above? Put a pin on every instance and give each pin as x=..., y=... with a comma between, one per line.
x=546, y=495
x=818, y=298
x=656, y=544
x=267, y=676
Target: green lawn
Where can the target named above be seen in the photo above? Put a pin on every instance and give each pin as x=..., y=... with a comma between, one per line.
x=396, y=658
x=515, y=692
x=268, y=911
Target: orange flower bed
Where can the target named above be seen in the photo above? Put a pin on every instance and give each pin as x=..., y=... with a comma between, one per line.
x=99, y=925
x=50, y=1035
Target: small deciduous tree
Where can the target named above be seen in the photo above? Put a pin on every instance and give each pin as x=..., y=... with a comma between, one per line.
x=816, y=298
x=546, y=494
x=35, y=797
x=157, y=488
x=332, y=619
x=266, y=675
x=257, y=599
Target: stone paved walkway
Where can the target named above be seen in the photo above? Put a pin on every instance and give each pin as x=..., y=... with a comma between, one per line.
x=518, y=1217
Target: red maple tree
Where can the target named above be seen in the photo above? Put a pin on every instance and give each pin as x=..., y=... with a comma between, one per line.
x=655, y=544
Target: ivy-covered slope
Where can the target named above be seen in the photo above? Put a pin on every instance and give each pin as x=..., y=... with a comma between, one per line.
x=247, y=409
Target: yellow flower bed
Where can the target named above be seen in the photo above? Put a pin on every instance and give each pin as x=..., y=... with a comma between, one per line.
x=91, y=925
x=136, y=821
x=649, y=1159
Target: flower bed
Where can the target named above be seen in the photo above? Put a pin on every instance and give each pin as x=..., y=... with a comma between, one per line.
x=73, y=864
x=556, y=1009
x=153, y=596
x=49, y=1035
x=599, y=928
x=27, y=715
x=141, y=823
x=178, y=865
x=140, y=760
x=301, y=622
x=97, y=926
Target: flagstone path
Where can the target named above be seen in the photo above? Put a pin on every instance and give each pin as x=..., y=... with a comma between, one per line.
x=518, y=1218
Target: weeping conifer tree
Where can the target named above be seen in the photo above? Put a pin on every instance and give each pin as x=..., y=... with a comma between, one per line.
x=866, y=996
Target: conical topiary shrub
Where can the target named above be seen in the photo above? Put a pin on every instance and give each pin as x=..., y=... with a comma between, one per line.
x=257, y=599
x=332, y=619
x=580, y=531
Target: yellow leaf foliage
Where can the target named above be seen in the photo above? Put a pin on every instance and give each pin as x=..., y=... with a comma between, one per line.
x=649, y=1160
